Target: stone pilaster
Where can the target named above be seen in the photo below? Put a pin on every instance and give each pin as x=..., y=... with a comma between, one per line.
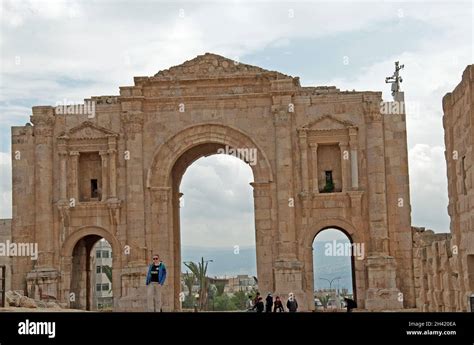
x=285, y=186
x=112, y=155
x=353, y=144
x=105, y=175
x=303, y=141
x=133, y=126
x=314, y=160
x=287, y=269
x=264, y=238
x=382, y=292
x=75, y=175
x=378, y=226
x=345, y=166
x=43, y=120
x=44, y=272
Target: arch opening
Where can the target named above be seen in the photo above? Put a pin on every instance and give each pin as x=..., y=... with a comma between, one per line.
x=333, y=258
x=90, y=285
x=216, y=227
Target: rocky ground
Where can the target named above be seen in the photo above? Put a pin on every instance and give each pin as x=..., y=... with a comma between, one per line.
x=15, y=301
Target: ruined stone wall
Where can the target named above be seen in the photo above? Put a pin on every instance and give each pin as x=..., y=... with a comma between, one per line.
x=6, y=235
x=398, y=202
x=437, y=272
x=458, y=121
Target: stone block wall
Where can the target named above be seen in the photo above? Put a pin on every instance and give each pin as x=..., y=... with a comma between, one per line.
x=437, y=272
x=458, y=122
x=6, y=235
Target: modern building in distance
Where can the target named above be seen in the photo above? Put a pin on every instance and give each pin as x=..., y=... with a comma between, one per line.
x=102, y=261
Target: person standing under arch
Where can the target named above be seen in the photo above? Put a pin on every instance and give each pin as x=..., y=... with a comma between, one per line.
x=155, y=279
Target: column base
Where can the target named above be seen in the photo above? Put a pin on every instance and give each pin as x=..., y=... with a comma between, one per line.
x=289, y=278
x=383, y=299
x=43, y=284
x=134, y=294
x=382, y=292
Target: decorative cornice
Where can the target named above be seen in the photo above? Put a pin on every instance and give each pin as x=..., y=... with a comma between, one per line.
x=210, y=66
x=87, y=130
x=133, y=121
x=309, y=126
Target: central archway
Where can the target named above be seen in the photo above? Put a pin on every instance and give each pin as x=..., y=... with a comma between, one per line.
x=164, y=177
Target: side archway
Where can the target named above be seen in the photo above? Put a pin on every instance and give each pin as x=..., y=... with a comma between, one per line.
x=81, y=243
x=357, y=265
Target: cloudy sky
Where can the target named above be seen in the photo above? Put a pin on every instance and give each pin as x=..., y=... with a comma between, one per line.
x=53, y=50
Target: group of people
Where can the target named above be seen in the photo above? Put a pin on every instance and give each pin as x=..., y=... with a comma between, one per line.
x=156, y=277
x=257, y=304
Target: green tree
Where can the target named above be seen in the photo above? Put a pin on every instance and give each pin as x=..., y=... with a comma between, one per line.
x=200, y=270
x=324, y=300
x=189, y=280
x=240, y=300
x=224, y=303
x=220, y=286
x=189, y=301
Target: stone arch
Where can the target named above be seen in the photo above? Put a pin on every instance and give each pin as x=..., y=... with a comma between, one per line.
x=67, y=254
x=357, y=266
x=168, y=165
x=68, y=245
x=166, y=155
x=333, y=223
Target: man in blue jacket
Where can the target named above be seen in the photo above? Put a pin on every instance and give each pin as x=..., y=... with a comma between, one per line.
x=155, y=279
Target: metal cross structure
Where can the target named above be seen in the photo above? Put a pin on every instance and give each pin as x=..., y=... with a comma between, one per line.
x=395, y=79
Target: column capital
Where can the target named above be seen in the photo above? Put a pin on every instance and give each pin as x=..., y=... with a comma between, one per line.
x=74, y=153
x=104, y=153
x=133, y=121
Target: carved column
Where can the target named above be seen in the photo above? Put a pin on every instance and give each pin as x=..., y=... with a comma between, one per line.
x=314, y=161
x=133, y=127
x=161, y=238
x=63, y=174
x=112, y=155
x=75, y=175
x=382, y=292
x=63, y=203
x=378, y=225
x=105, y=174
x=345, y=166
x=304, y=160
x=285, y=187
x=287, y=269
x=43, y=120
x=354, y=160
x=262, y=194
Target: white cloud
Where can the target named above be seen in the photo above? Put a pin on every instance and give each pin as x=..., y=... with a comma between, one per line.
x=428, y=186
x=5, y=185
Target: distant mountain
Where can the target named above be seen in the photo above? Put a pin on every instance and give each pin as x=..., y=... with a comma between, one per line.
x=227, y=263
x=330, y=267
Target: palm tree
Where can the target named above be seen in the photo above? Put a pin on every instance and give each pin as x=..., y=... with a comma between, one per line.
x=189, y=279
x=199, y=270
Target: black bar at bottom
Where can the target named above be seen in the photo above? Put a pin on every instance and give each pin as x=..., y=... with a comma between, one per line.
x=237, y=328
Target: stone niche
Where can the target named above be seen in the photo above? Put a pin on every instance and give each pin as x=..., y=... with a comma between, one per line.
x=90, y=176
x=329, y=168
